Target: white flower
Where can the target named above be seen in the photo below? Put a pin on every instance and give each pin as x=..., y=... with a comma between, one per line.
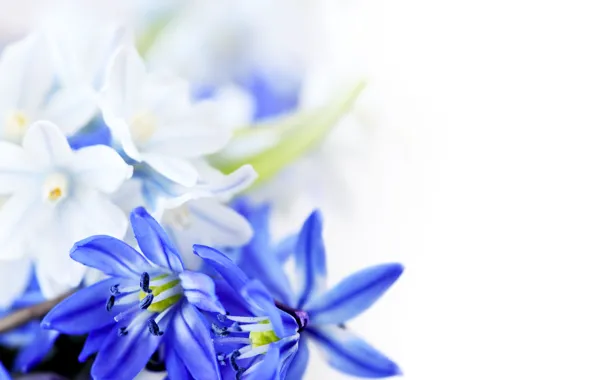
x=57, y=197
x=27, y=81
x=14, y=278
x=153, y=120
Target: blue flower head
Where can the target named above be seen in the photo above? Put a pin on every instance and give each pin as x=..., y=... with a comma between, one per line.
x=150, y=300
x=256, y=339
x=323, y=313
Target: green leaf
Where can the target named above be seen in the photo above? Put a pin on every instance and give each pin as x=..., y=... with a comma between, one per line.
x=292, y=137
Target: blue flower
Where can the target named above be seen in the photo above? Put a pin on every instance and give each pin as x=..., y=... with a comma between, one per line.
x=149, y=300
x=323, y=312
x=255, y=340
x=4, y=375
x=33, y=342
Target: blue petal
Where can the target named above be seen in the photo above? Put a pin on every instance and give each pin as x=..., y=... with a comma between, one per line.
x=94, y=342
x=300, y=361
x=349, y=354
x=268, y=368
x=153, y=241
x=84, y=311
x=194, y=343
x=226, y=268
x=269, y=100
x=99, y=134
x=35, y=351
x=353, y=295
x=311, y=266
x=264, y=305
x=111, y=256
x=258, y=259
x=174, y=364
x=123, y=357
x=199, y=290
x=4, y=375
x=286, y=248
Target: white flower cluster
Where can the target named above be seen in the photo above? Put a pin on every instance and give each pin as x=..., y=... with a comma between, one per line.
x=54, y=193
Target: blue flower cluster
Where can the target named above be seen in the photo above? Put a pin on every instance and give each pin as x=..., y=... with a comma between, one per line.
x=233, y=319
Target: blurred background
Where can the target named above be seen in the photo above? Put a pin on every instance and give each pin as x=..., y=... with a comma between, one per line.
x=469, y=158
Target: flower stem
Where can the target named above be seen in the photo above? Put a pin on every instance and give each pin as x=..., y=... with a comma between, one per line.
x=26, y=314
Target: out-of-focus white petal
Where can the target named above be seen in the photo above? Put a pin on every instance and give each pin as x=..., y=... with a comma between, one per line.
x=19, y=216
x=224, y=186
x=46, y=144
x=71, y=108
x=26, y=73
x=100, y=167
x=175, y=169
x=188, y=140
x=57, y=274
x=14, y=277
x=16, y=170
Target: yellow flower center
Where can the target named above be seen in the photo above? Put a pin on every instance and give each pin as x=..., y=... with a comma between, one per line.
x=16, y=124
x=55, y=187
x=143, y=126
x=261, y=338
x=162, y=305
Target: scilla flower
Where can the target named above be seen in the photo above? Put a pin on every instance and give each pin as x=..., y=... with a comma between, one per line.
x=57, y=196
x=325, y=312
x=149, y=300
x=153, y=120
x=253, y=326
x=27, y=79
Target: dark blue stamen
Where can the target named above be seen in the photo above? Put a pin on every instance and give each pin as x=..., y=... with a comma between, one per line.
x=233, y=357
x=153, y=327
x=145, y=282
x=110, y=303
x=220, y=331
x=146, y=302
x=122, y=331
x=240, y=372
x=114, y=289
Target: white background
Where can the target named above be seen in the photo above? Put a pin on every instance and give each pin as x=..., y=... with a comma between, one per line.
x=484, y=188
x=481, y=181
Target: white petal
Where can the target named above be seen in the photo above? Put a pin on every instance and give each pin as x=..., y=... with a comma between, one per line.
x=57, y=274
x=173, y=168
x=46, y=144
x=19, y=217
x=16, y=170
x=225, y=186
x=100, y=167
x=26, y=73
x=188, y=140
x=125, y=82
x=14, y=278
x=71, y=108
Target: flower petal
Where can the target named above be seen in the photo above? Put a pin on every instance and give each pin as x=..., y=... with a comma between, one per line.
x=268, y=368
x=46, y=144
x=353, y=295
x=16, y=169
x=84, y=311
x=222, y=264
x=176, y=169
x=36, y=350
x=94, y=342
x=153, y=241
x=14, y=278
x=193, y=342
x=19, y=217
x=123, y=357
x=71, y=108
x=257, y=258
x=174, y=364
x=299, y=362
x=349, y=354
x=111, y=256
x=4, y=375
x=257, y=295
x=199, y=290
x=100, y=167
x=311, y=264
x=226, y=186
